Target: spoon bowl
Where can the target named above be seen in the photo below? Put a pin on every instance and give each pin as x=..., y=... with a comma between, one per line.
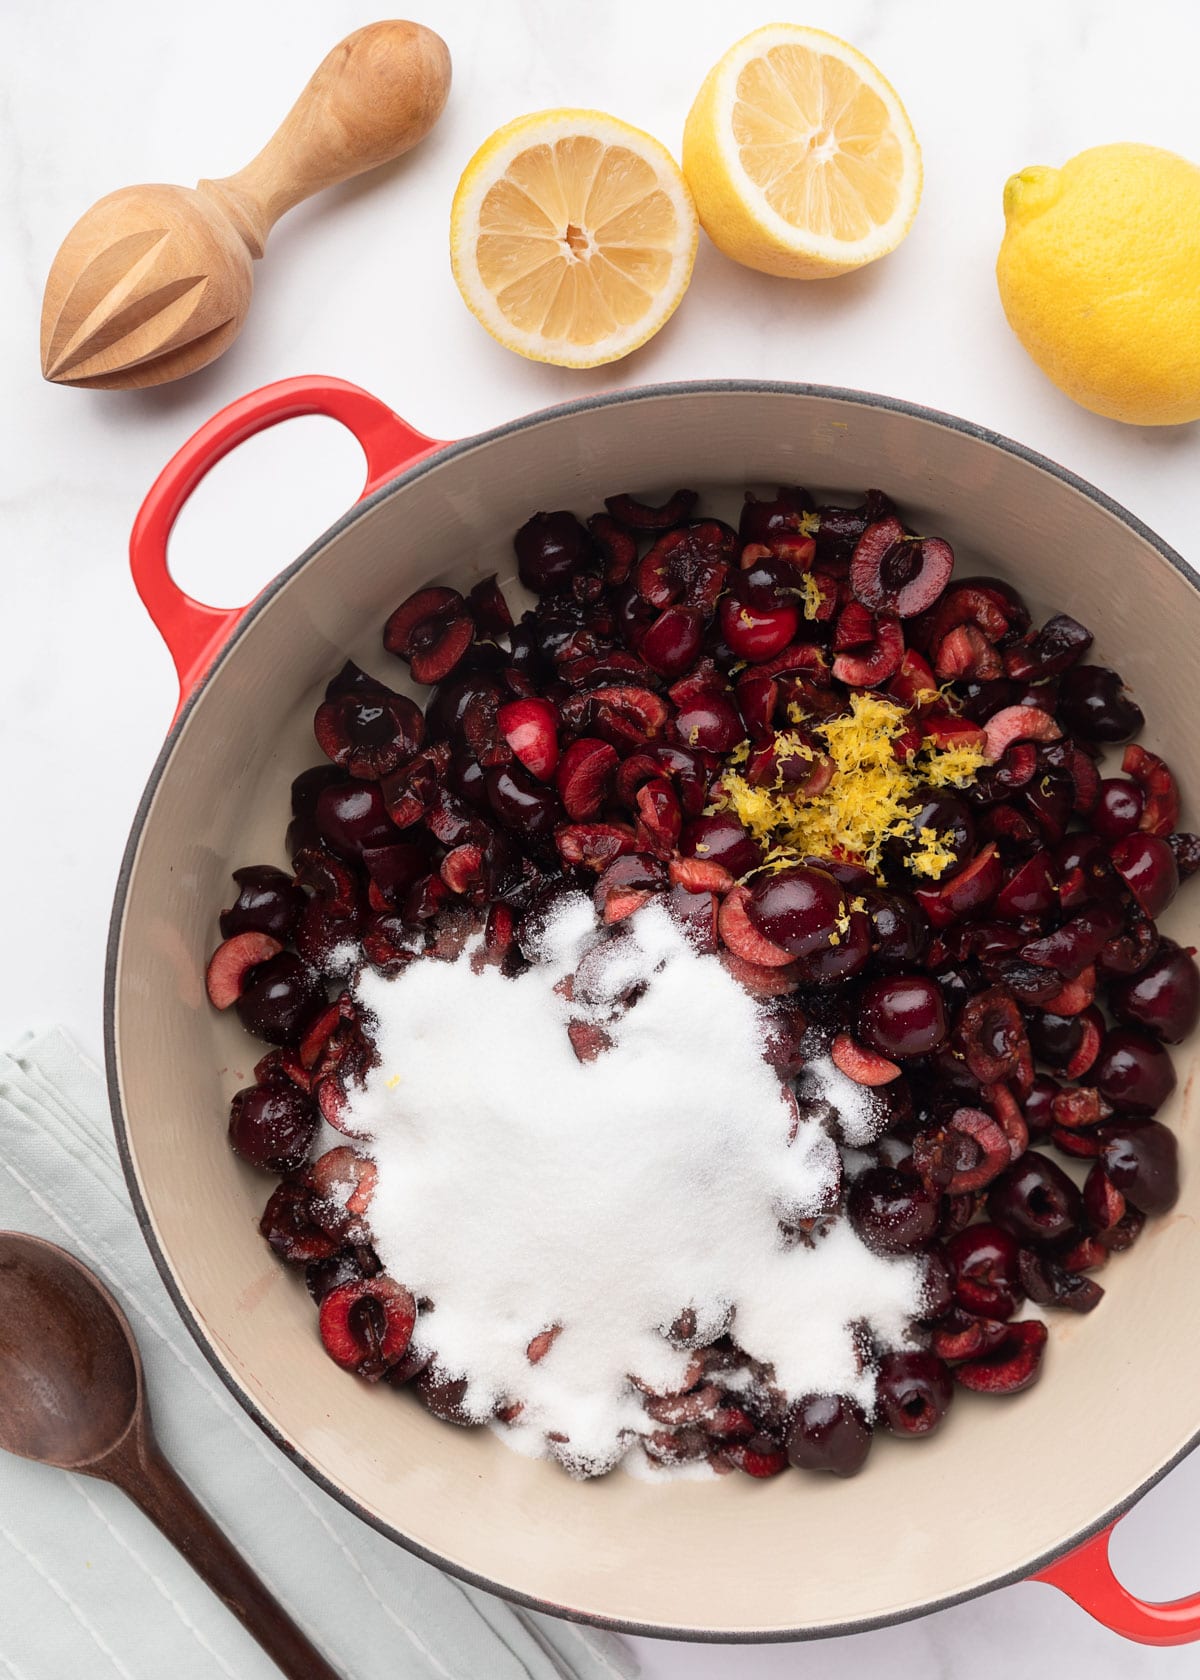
x=70, y=1374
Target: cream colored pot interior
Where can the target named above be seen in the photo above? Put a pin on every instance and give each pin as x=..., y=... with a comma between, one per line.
x=1005, y=1483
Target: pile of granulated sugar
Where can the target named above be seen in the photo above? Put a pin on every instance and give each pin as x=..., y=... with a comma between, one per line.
x=520, y=1189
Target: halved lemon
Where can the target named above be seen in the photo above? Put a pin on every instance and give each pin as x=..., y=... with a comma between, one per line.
x=800, y=156
x=572, y=236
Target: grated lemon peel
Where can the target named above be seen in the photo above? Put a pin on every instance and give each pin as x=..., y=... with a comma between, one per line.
x=868, y=801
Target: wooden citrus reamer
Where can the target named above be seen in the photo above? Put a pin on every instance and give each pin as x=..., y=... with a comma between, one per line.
x=154, y=281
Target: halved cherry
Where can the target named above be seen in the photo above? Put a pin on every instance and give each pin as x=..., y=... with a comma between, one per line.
x=489, y=609
x=230, y=963
x=643, y=516
x=985, y=604
x=626, y=716
x=464, y=870
x=531, y=729
x=366, y=1326
x=1147, y=866
x=949, y=732
x=914, y=684
x=659, y=818
x=1012, y=1365
x=410, y=791
x=1091, y=1030
x=593, y=845
x=1076, y=995
x=965, y=1154
x=342, y=1183
x=432, y=630
x=905, y=575
x=965, y=652
x=757, y=699
x=585, y=776
x=963, y=1336
x=672, y=642
x=618, y=550
x=1017, y=723
x=370, y=732
x=1161, y=813
x=1060, y=643
x=743, y=939
x=880, y=660
x=865, y=1067
x=697, y=914
x=855, y=627
x=688, y=564
x=1029, y=891
x=1080, y=1107
x=288, y=1225
x=698, y=875
x=964, y=892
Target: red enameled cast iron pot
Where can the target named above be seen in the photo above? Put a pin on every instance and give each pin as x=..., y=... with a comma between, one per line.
x=1027, y=1488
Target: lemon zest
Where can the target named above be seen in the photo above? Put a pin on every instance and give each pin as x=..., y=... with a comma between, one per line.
x=868, y=800
x=813, y=594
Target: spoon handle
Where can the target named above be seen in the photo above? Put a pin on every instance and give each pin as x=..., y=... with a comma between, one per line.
x=373, y=97
x=170, y=1504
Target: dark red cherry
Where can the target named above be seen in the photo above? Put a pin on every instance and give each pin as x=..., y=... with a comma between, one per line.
x=903, y=1015
x=756, y=633
x=273, y=1128
x=351, y=815
x=522, y=803
x=1141, y=1157
x=280, y=998
x=913, y=1392
x=1054, y=1039
x=798, y=909
x=550, y=549
x=721, y=839
x=1039, y=1105
x=785, y=515
x=1036, y=1201
x=1163, y=997
x=447, y=706
x=1147, y=866
x=828, y=1432
x=1133, y=1071
x=1094, y=706
x=899, y=930
x=893, y=1212
x=984, y=1263
x=268, y=901
x=1118, y=811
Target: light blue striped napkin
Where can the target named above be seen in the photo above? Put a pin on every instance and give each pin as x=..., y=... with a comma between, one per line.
x=89, y=1589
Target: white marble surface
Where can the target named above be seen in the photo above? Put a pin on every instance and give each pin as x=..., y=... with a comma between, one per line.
x=358, y=285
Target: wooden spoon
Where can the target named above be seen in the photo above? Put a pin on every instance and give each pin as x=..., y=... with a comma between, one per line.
x=72, y=1395
x=154, y=281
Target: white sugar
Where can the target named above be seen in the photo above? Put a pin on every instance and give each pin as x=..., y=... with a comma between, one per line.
x=861, y=1114
x=521, y=1189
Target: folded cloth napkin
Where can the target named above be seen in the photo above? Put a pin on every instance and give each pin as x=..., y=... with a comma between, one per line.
x=89, y=1588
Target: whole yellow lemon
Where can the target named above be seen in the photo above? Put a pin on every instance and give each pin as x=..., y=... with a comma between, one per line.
x=1099, y=275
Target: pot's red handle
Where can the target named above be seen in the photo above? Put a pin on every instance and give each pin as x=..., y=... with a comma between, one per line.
x=193, y=631
x=1086, y=1575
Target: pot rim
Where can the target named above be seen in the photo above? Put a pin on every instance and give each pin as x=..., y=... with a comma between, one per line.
x=463, y=446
